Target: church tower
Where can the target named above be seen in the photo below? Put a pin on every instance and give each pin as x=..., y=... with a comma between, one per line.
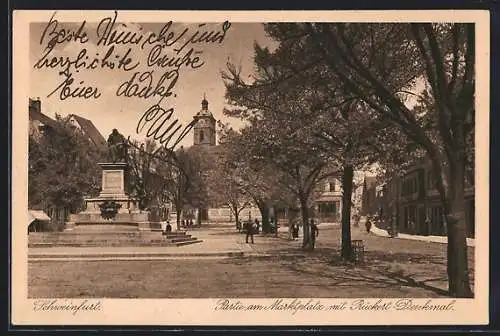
x=204, y=129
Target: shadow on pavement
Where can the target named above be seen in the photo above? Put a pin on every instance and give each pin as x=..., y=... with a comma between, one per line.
x=225, y=233
x=376, y=272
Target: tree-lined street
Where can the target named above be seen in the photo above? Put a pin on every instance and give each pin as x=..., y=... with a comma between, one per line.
x=273, y=267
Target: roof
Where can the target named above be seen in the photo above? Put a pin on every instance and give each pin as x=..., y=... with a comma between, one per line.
x=36, y=115
x=37, y=215
x=89, y=128
x=204, y=112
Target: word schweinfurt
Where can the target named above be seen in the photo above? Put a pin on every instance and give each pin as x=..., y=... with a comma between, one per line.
x=66, y=305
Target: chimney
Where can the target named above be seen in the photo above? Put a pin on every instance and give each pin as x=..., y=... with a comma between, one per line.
x=36, y=104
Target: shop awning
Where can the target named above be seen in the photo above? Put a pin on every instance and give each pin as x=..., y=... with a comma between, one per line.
x=37, y=215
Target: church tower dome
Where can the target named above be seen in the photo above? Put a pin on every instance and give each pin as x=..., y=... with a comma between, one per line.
x=204, y=129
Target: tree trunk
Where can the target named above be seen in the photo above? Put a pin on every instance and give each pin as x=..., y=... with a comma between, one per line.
x=306, y=239
x=275, y=222
x=264, y=212
x=347, y=178
x=178, y=217
x=237, y=218
x=458, y=270
x=198, y=219
x=234, y=210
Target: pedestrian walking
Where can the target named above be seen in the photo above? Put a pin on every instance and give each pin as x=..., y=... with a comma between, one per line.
x=168, y=227
x=257, y=226
x=295, y=231
x=368, y=225
x=249, y=231
x=314, y=233
x=183, y=223
x=427, y=226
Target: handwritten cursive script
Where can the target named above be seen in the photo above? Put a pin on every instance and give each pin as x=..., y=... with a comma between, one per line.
x=145, y=64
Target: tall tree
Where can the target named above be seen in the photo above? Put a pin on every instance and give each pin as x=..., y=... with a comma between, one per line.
x=256, y=178
x=226, y=185
x=62, y=168
x=380, y=63
x=185, y=183
x=277, y=134
x=327, y=120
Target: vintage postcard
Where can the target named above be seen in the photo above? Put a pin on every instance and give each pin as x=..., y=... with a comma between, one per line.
x=250, y=168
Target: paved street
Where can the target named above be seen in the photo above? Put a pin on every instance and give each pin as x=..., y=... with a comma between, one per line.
x=272, y=267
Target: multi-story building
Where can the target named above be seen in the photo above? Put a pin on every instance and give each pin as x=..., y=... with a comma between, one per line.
x=328, y=204
x=412, y=203
x=39, y=123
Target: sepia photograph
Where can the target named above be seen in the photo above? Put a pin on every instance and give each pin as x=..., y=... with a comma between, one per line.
x=260, y=164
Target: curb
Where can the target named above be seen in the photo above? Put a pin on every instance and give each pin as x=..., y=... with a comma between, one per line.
x=149, y=256
x=383, y=233
x=128, y=255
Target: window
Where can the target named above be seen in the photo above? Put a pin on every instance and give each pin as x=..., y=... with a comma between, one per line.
x=331, y=186
x=202, y=136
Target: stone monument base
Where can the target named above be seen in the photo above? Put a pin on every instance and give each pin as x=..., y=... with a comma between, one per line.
x=128, y=227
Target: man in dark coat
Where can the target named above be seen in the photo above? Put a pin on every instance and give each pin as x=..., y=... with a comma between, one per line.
x=249, y=231
x=314, y=233
x=256, y=226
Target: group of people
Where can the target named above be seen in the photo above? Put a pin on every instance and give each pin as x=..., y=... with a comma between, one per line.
x=313, y=231
x=187, y=223
x=184, y=224
x=251, y=228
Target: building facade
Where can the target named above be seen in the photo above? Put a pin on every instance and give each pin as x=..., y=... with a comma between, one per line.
x=39, y=123
x=412, y=204
x=327, y=205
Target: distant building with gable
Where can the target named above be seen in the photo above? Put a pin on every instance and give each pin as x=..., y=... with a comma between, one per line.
x=40, y=124
x=88, y=129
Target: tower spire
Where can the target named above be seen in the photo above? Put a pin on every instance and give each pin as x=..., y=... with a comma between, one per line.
x=204, y=102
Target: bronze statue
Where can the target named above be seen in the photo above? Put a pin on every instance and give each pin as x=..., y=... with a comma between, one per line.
x=117, y=147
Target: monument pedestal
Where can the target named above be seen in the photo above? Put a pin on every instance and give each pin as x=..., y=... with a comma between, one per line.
x=114, y=189
x=128, y=226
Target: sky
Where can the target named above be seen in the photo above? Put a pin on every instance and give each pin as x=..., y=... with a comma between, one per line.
x=110, y=111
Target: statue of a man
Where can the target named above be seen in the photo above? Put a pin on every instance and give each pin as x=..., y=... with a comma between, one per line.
x=117, y=147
